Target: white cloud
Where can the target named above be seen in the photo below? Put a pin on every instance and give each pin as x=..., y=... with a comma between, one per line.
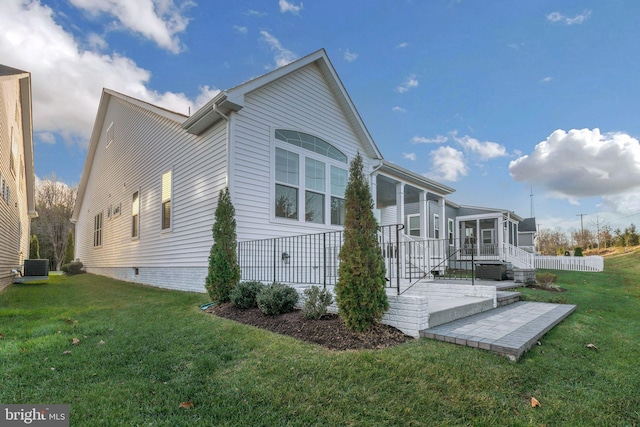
x=402, y=45
x=409, y=156
x=350, y=56
x=584, y=163
x=157, y=20
x=398, y=109
x=448, y=164
x=256, y=13
x=439, y=139
x=97, y=42
x=241, y=29
x=67, y=81
x=286, y=6
x=546, y=80
x=46, y=138
x=578, y=19
x=486, y=150
x=282, y=56
x=410, y=83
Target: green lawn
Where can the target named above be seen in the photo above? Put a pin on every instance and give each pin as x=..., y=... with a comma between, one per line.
x=143, y=351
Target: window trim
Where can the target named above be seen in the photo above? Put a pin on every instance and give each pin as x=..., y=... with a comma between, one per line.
x=301, y=188
x=98, y=229
x=135, y=217
x=409, y=229
x=165, y=200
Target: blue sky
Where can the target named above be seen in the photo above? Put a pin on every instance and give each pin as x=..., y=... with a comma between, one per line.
x=492, y=98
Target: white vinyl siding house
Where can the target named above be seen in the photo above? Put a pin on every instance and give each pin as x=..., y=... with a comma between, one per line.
x=281, y=143
x=17, y=179
x=243, y=139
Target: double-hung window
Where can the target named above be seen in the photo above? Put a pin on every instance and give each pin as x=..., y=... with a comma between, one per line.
x=135, y=215
x=315, y=177
x=287, y=182
x=436, y=226
x=166, y=200
x=97, y=230
x=310, y=165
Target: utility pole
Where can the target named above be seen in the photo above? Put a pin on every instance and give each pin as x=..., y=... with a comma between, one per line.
x=582, y=228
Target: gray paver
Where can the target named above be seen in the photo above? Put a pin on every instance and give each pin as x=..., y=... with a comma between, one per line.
x=509, y=330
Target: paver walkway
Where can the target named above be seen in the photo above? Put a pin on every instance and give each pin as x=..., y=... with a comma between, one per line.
x=510, y=330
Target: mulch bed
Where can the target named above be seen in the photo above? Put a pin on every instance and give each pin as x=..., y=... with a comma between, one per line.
x=329, y=331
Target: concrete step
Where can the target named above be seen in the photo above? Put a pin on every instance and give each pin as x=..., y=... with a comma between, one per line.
x=506, y=297
x=510, y=330
x=447, y=310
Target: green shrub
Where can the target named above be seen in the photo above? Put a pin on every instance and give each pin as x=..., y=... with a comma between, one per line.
x=224, y=271
x=316, y=301
x=34, y=247
x=578, y=252
x=69, y=249
x=244, y=294
x=546, y=278
x=277, y=298
x=71, y=268
x=360, y=290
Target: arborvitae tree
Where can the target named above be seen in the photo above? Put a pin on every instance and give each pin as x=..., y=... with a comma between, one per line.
x=360, y=291
x=224, y=271
x=34, y=247
x=69, y=249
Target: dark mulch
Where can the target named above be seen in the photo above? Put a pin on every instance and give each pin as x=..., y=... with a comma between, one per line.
x=329, y=331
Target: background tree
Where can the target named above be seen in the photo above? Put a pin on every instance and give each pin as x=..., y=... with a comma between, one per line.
x=224, y=271
x=69, y=249
x=360, y=291
x=54, y=204
x=34, y=247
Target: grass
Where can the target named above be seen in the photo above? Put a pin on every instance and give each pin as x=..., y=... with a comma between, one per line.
x=143, y=351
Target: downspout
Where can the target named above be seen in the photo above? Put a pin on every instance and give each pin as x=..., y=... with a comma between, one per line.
x=228, y=139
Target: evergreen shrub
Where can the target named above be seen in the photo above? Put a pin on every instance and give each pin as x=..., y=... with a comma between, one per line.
x=224, y=271
x=316, y=301
x=277, y=298
x=360, y=290
x=71, y=268
x=244, y=294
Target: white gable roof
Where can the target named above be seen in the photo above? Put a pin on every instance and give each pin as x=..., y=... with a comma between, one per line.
x=225, y=102
x=233, y=99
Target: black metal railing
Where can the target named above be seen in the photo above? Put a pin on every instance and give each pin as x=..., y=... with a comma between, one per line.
x=309, y=258
x=313, y=258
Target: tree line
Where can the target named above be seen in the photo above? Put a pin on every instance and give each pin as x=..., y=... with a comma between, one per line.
x=554, y=242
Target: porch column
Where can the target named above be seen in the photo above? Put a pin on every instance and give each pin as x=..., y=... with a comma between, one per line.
x=424, y=216
x=400, y=203
x=443, y=220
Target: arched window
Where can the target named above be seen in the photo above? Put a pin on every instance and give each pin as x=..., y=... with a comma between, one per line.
x=311, y=143
x=306, y=179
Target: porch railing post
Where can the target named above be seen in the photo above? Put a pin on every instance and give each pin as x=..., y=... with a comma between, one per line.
x=274, y=260
x=398, y=255
x=324, y=260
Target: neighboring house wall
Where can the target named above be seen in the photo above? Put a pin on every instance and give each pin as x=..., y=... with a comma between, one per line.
x=146, y=145
x=14, y=210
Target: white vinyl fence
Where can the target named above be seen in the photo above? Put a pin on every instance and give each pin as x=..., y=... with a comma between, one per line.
x=571, y=263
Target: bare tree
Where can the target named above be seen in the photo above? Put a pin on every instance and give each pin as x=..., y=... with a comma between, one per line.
x=54, y=203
